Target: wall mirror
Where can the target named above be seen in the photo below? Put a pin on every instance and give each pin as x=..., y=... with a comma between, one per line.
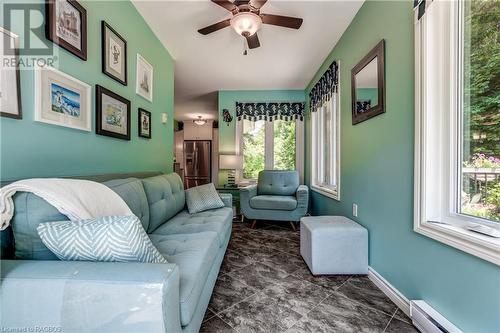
x=368, y=86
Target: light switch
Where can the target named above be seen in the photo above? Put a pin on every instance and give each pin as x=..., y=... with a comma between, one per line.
x=354, y=210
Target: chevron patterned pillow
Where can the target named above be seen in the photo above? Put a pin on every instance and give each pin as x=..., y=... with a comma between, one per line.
x=202, y=198
x=109, y=238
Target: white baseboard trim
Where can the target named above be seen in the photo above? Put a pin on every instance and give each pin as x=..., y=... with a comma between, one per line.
x=395, y=295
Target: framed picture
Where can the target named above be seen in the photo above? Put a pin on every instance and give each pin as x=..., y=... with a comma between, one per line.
x=368, y=85
x=114, y=54
x=112, y=114
x=144, y=119
x=10, y=83
x=61, y=99
x=144, y=79
x=66, y=26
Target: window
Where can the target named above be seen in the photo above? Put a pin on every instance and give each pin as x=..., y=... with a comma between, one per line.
x=269, y=145
x=457, y=147
x=325, y=149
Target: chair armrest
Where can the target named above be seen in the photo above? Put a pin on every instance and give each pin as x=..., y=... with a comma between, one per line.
x=248, y=192
x=72, y=296
x=227, y=199
x=302, y=195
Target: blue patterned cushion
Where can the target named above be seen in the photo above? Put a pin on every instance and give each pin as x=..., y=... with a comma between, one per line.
x=201, y=198
x=109, y=238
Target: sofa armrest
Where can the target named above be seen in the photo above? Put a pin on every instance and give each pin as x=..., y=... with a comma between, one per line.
x=77, y=296
x=248, y=192
x=302, y=195
x=227, y=199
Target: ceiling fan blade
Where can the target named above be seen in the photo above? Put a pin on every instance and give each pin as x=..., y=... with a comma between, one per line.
x=226, y=4
x=258, y=3
x=240, y=2
x=282, y=21
x=215, y=27
x=253, y=41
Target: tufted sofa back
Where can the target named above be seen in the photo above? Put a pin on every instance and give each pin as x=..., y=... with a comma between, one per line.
x=276, y=182
x=166, y=198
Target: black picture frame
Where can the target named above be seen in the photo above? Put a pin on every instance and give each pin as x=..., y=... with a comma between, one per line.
x=104, y=53
x=51, y=29
x=100, y=91
x=140, y=113
x=17, y=83
x=370, y=111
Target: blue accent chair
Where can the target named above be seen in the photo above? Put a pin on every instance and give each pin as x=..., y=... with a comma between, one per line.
x=277, y=197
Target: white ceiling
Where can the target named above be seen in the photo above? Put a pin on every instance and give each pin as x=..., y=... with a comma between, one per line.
x=287, y=59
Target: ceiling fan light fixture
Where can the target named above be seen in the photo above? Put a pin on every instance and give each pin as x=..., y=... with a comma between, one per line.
x=200, y=121
x=246, y=23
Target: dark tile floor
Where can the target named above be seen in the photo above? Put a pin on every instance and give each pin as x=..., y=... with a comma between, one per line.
x=265, y=286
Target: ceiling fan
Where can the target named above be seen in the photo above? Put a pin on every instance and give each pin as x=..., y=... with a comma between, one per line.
x=247, y=19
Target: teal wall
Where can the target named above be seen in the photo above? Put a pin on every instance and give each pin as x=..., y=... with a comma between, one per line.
x=30, y=149
x=228, y=99
x=377, y=174
x=367, y=94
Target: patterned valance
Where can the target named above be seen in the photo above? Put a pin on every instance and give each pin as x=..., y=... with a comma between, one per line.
x=270, y=111
x=325, y=87
x=420, y=6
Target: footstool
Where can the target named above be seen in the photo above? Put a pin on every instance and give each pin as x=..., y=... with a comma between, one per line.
x=334, y=245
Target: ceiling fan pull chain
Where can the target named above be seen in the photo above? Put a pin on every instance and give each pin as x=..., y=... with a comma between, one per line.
x=245, y=49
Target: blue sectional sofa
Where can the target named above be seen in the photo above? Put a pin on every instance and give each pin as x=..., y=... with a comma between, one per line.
x=38, y=290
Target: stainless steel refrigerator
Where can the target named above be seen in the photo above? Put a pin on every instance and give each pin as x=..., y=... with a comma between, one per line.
x=197, y=163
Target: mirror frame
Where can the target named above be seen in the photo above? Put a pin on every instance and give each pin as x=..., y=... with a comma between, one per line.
x=377, y=51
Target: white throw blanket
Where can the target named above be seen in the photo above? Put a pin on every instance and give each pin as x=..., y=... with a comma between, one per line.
x=75, y=198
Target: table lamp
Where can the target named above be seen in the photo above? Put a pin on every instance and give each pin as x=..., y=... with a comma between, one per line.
x=231, y=163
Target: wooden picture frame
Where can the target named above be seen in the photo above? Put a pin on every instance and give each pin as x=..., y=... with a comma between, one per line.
x=114, y=63
x=113, y=105
x=13, y=107
x=144, y=126
x=70, y=34
x=366, y=110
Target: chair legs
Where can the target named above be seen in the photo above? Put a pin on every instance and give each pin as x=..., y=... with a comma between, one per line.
x=253, y=224
x=293, y=225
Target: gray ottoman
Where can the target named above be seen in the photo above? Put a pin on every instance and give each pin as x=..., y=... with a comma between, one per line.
x=334, y=245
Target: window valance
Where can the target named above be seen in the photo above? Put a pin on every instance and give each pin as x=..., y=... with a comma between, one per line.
x=325, y=87
x=270, y=111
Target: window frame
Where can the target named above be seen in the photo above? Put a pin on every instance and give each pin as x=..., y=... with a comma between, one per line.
x=269, y=147
x=326, y=190
x=436, y=212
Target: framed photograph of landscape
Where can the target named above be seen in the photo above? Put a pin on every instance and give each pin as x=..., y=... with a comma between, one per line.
x=114, y=54
x=66, y=26
x=112, y=114
x=10, y=82
x=61, y=99
x=144, y=78
x=144, y=119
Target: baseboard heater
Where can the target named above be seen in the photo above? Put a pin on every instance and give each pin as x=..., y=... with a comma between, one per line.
x=428, y=320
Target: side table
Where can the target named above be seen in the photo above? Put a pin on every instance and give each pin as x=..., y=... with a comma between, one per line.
x=235, y=192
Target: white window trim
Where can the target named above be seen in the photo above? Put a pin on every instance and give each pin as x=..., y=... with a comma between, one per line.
x=269, y=153
x=445, y=225
x=323, y=190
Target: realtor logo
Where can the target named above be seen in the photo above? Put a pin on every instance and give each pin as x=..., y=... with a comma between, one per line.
x=26, y=21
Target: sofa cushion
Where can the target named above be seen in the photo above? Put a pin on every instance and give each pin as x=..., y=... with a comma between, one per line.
x=275, y=182
x=217, y=220
x=132, y=192
x=166, y=198
x=107, y=238
x=273, y=202
x=202, y=198
x=195, y=255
